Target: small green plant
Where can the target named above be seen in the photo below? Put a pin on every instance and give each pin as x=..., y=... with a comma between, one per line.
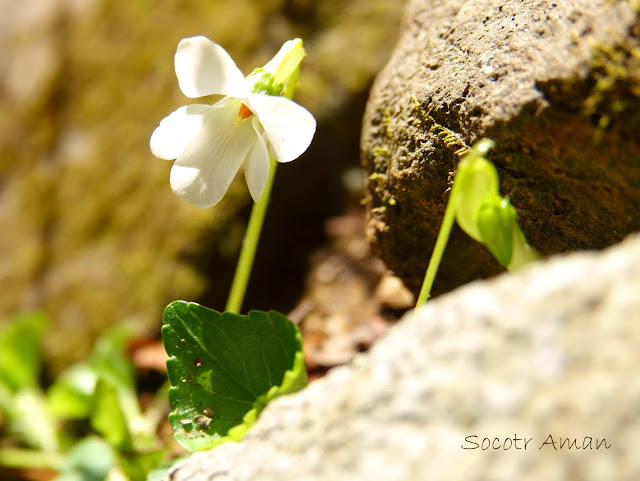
x=475, y=203
x=120, y=440
x=225, y=367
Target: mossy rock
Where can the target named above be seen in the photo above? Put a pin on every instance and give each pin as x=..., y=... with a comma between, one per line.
x=555, y=85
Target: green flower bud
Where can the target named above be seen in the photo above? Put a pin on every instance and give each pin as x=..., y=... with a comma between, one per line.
x=475, y=179
x=496, y=222
x=286, y=61
x=286, y=65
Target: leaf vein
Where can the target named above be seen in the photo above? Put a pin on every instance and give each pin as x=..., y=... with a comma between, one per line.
x=207, y=352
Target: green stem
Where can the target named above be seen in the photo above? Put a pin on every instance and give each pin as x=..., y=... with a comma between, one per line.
x=29, y=459
x=252, y=236
x=250, y=244
x=438, y=250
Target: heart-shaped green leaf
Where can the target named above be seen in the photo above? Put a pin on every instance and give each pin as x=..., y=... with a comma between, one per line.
x=224, y=368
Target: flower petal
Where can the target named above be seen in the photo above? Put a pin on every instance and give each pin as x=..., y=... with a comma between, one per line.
x=256, y=167
x=176, y=130
x=204, y=68
x=204, y=171
x=289, y=127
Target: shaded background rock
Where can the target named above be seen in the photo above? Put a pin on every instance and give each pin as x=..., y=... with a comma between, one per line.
x=555, y=84
x=553, y=350
x=91, y=232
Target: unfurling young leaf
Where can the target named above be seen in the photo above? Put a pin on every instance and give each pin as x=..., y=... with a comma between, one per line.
x=225, y=368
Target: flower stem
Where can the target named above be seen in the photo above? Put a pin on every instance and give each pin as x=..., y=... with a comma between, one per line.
x=29, y=459
x=250, y=244
x=438, y=250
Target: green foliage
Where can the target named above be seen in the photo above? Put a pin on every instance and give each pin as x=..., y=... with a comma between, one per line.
x=20, y=351
x=475, y=203
x=495, y=219
x=108, y=418
x=101, y=390
x=113, y=249
x=485, y=215
x=70, y=396
x=21, y=400
x=225, y=368
x=30, y=421
x=90, y=460
x=475, y=178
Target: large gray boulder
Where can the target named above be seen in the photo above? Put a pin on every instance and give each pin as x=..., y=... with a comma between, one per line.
x=555, y=84
x=532, y=359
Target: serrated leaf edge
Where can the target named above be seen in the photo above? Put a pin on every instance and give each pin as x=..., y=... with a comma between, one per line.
x=293, y=380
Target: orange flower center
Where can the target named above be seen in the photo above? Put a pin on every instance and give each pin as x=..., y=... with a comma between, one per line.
x=244, y=112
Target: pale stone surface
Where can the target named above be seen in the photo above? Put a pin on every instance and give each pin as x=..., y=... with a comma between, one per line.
x=554, y=350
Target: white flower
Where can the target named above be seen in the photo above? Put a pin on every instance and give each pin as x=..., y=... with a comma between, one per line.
x=211, y=142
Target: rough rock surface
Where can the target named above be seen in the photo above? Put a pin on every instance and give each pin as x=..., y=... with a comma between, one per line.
x=555, y=84
x=551, y=351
